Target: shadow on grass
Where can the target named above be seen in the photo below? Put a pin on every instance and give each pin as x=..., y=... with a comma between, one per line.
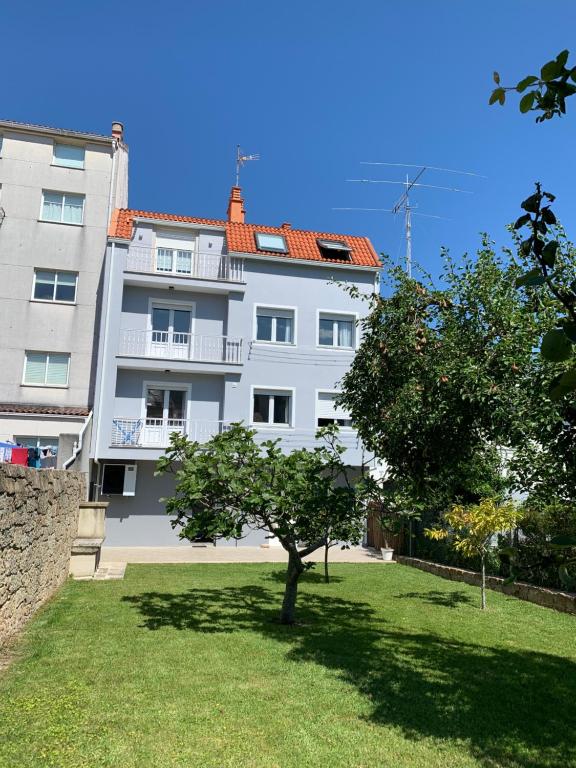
x=443, y=599
x=509, y=707
x=310, y=576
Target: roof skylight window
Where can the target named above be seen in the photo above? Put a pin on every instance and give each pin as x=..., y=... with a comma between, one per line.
x=268, y=242
x=334, y=249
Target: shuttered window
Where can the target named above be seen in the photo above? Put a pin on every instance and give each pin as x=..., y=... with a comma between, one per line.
x=68, y=156
x=46, y=369
x=327, y=412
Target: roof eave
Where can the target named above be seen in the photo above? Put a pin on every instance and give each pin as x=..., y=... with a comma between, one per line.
x=307, y=262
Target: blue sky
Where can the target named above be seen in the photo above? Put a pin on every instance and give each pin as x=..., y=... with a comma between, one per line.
x=315, y=88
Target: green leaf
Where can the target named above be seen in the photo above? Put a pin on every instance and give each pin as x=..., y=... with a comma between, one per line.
x=526, y=246
x=556, y=346
x=531, y=204
x=532, y=278
x=522, y=221
x=548, y=215
x=496, y=77
x=562, y=57
x=523, y=84
x=573, y=74
x=569, y=329
x=568, y=379
x=498, y=94
x=562, y=541
x=527, y=101
x=551, y=70
x=549, y=253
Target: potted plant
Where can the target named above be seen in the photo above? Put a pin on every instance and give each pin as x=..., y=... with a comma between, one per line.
x=390, y=525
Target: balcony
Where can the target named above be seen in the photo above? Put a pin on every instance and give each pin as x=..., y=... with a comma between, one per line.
x=185, y=264
x=155, y=433
x=172, y=345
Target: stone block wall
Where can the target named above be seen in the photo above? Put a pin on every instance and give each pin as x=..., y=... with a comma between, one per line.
x=549, y=598
x=38, y=521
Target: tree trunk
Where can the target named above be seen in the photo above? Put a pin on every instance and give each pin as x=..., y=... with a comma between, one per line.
x=483, y=587
x=326, y=574
x=295, y=568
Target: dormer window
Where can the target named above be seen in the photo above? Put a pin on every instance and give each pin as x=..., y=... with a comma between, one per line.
x=268, y=242
x=334, y=249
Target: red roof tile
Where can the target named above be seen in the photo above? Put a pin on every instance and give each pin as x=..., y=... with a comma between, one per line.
x=302, y=244
x=123, y=218
x=56, y=410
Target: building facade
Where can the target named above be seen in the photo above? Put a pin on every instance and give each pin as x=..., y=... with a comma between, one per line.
x=211, y=321
x=57, y=190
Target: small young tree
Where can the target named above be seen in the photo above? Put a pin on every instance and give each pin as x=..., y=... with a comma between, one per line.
x=232, y=481
x=473, y=527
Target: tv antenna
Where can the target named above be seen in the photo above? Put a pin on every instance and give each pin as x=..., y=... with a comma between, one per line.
x=240, y=160
x=403, y=202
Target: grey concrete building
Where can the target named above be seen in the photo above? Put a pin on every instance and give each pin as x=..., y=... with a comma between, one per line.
x=210, y=321
x=57, y=191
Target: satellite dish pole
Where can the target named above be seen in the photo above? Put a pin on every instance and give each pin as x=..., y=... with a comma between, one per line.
x=240, y=160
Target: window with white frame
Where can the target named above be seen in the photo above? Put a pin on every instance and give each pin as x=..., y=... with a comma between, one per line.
x=175, y=251
x=62, y=207
x=327, y=412
x=272, y=407
x=275, y=325
x=335, y=330
x=55, y=286
x=46, y=369
x=68, y=156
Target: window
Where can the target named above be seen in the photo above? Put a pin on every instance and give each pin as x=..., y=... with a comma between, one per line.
x=55, y=286
x=334, y=249
x=68, y=155
x=62, y=207
x=175, y=251
x=336, y=330
x=327, y=412
x=267, y=242
x=46, y=369
x=275, y=325
x=272, y=407
x=118, y=480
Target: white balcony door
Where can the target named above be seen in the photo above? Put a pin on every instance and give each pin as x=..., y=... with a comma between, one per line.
x=165, y=413
x=171, y=335
x=175, y=252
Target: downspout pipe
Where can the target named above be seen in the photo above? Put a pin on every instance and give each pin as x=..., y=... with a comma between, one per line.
x=78, y=444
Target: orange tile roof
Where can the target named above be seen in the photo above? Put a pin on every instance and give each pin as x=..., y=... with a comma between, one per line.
x=302, y=244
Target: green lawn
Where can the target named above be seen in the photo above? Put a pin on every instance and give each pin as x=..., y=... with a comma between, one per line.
x=184, y=665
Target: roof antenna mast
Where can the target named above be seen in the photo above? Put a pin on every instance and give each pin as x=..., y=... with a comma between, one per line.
x=403, y=202
x=240, y=160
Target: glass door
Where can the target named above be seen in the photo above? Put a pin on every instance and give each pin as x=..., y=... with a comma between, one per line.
x=171, y=333
x=165, y=413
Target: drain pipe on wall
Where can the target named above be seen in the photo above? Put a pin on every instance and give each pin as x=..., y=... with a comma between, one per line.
x=78, y=444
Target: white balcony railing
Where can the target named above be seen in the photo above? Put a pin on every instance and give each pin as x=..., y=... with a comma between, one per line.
x=180, y=263
x=155, y=433
x=172, y=345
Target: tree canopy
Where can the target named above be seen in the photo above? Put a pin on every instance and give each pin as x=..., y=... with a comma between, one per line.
x=305, y=498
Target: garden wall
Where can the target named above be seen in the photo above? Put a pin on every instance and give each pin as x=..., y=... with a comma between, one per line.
x=549, y=598
x=38, y=520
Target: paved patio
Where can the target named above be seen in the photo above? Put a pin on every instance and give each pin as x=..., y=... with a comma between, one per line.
x=209, y=554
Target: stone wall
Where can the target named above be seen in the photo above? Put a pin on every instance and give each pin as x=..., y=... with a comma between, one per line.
x=549, y=598
x=38, y=521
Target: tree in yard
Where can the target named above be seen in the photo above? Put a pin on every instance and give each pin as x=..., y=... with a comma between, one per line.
x=472, y=528
x=303, y=497
x=442, y=377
